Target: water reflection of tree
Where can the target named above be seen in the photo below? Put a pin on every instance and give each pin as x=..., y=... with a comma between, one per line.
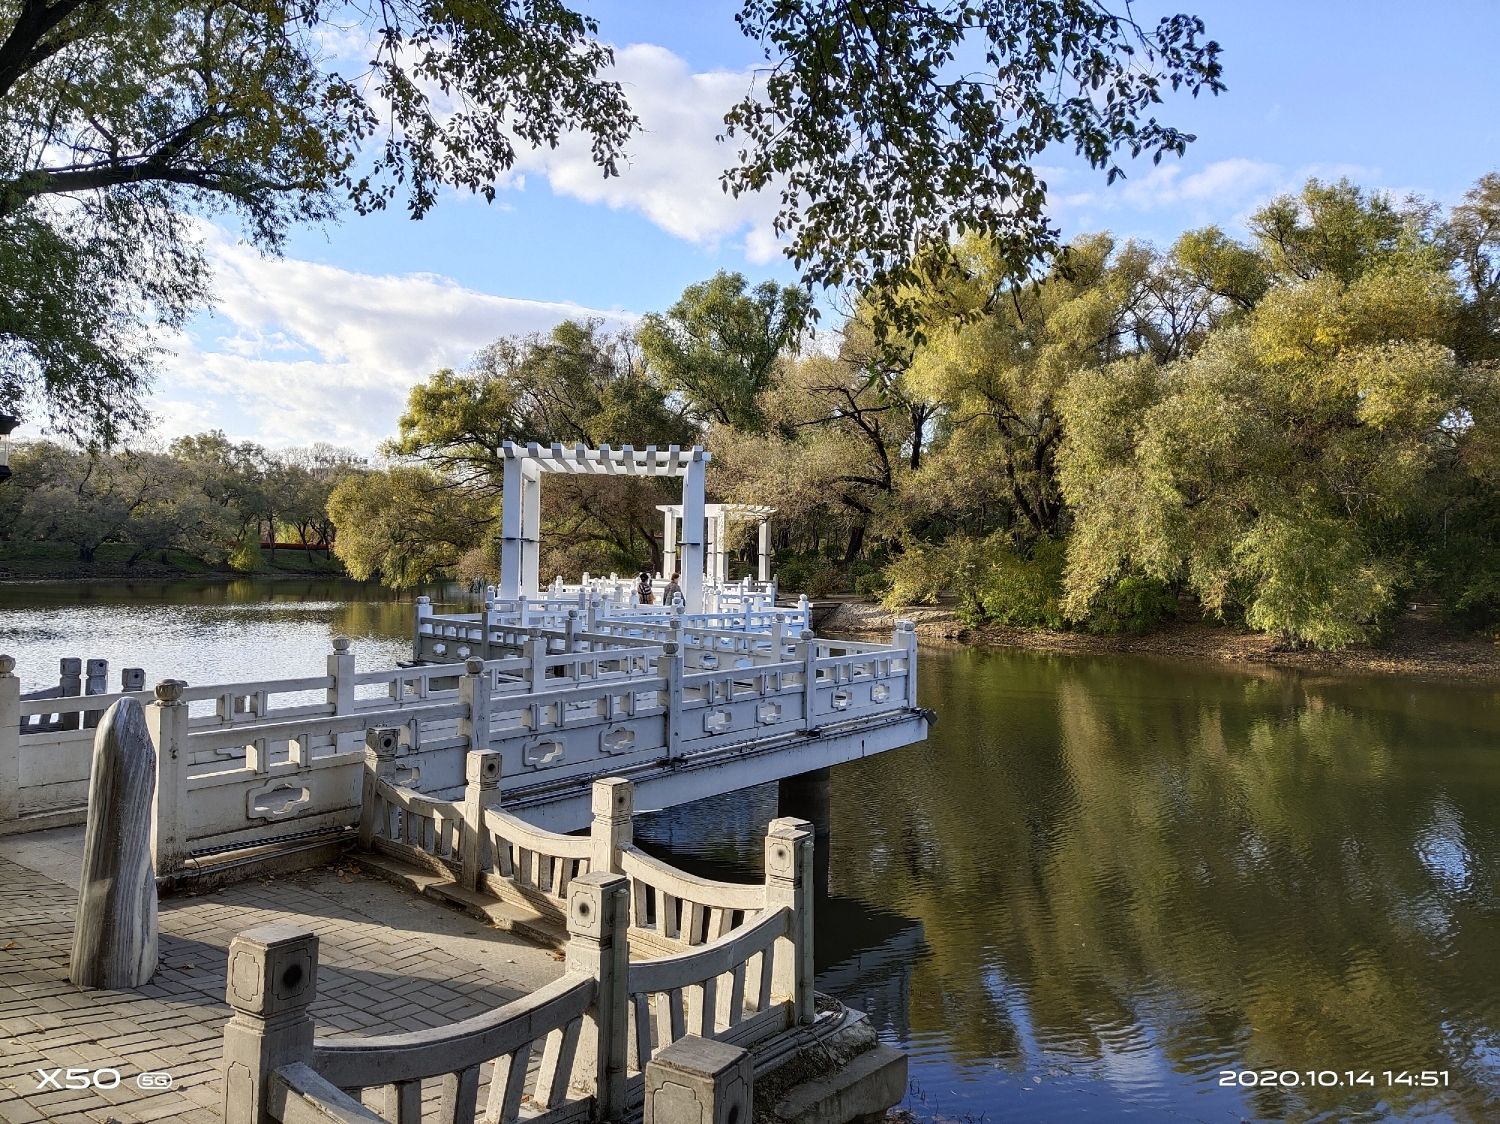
x=1240, y=871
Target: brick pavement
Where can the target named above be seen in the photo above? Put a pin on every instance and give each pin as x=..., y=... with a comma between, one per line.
x=390, y=961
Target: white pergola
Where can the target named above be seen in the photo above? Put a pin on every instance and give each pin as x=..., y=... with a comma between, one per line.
x=521, y=504
x=719, y=517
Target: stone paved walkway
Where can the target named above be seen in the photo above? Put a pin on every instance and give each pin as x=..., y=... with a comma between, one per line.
x=389, y=961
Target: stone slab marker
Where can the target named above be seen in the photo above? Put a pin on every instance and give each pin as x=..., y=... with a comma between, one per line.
x=114, y=938
x=699, y=1081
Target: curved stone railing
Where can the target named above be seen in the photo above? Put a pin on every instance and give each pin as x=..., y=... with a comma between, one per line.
x=488, y=850
x=533, y=866
x=721, y=990
x=594, y=1029
x=681, y=909
x=548, y=1022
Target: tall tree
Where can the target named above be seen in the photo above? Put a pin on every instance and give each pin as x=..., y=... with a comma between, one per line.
x=887, y=127
x=1472, y=238
x=718, y=346
x=999, y=353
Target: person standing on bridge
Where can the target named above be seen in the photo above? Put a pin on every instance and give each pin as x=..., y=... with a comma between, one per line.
x=673, y=590
x=643, y=588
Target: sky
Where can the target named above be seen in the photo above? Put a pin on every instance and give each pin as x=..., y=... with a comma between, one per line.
x=324, y=343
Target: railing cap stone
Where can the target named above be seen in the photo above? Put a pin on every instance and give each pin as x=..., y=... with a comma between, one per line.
x=169, y=691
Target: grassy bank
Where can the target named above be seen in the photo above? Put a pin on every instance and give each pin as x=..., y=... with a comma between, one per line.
x=1421, y=644
x=55, y=562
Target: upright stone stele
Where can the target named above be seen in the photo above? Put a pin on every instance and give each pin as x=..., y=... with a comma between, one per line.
x=114, y=938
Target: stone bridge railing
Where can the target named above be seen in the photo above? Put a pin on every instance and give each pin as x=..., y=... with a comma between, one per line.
x=485, y=849
x=243, y=763
x=594, y=1031
x=504, y=626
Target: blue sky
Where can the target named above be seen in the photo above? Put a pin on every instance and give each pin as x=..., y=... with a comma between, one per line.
x=324, y=344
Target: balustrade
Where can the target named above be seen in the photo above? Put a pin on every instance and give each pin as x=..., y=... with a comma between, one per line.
x=287, y=754
x=594, y=1030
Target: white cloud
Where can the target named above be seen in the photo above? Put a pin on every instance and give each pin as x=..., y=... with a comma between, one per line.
x=300, y=352
x=1225, y=192
x=672, y=172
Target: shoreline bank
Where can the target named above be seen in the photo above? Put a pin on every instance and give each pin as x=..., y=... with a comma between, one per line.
x=28, y=570
x=1421, y=645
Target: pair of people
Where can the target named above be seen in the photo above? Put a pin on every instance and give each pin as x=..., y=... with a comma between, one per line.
x=646, y=595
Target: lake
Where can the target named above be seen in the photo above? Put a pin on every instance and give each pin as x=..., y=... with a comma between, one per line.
x=1105, y=887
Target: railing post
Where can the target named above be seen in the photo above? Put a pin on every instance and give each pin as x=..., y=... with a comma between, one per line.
x=487, y=623
x=778, y=637
x=612, y=829
x=809, y=656
x=593, y=618
x=789, y=882
x=699, y=1081
x=671, y=666
x=95, y=682
x=69, y=685
x=598, y=918
x=536, y=659
x=167, y=721
x=804, y=609
x=10, y=740
x=572, y=628
x=424, y=612
x=481, y=792
x=132, y=679
x=341, y=691
x=380, y=756
x=473, y=690
x=272, y=981
x=906, y=637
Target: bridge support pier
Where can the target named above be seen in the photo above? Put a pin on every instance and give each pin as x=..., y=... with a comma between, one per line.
x=806, y=796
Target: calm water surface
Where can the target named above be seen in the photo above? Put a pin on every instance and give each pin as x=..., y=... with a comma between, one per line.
x=1099, y=884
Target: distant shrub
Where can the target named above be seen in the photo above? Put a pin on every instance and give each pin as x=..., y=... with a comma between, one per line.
x=1469, y=583
x=922, y=573
x=247, y=557
x=1132, y=604
x=1023, y=590
x=811, y=574
x=872, y=585
x=989, y=579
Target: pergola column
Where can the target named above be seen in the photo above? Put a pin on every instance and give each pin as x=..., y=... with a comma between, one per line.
x=693, y=492
x=531, y=531
x=510, y=529
x=668, y=542
x=711, y=550
x=763, y=570
x=722, y=572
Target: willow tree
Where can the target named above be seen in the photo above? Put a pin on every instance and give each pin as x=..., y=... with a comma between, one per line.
x=880, y=128
x=998, y=354
x=1272, y=470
